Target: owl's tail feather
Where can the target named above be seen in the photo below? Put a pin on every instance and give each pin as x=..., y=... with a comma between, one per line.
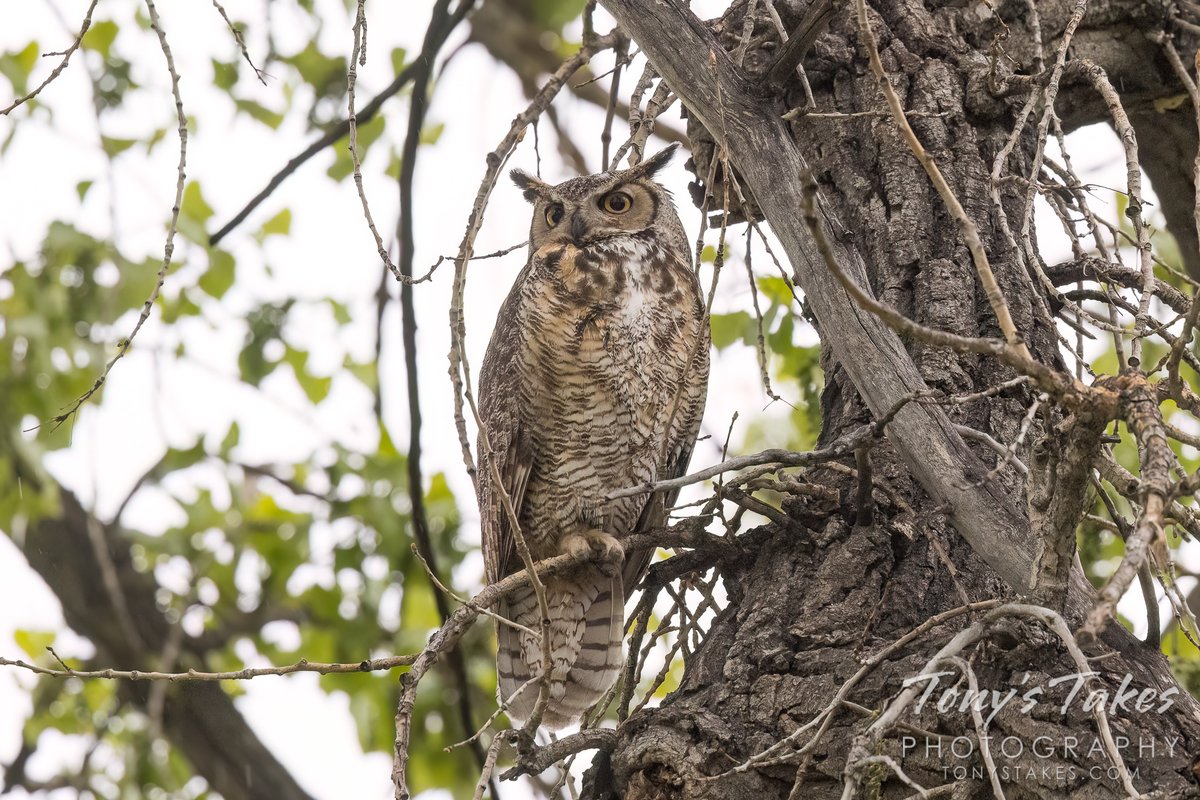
x=587, y=617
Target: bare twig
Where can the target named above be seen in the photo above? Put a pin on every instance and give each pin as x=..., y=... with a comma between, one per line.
x=1007, y=454
x=489, y=764
x=358, y=56
x=241, y=42
x=1189, y=325
x=245, y=674
x=331, y=136
x=812, y=25
x=62, y=65
x=441, y=23
x=172, y=227
x=1133, y=172
x=985, y=749
x=436, y=581
x=783, y=458
x=621, y=52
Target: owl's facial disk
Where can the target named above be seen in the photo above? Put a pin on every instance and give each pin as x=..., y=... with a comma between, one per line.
x=622, y=210
x=584, y=211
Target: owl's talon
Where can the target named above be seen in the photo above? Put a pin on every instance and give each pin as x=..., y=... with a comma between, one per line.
x=598, y=546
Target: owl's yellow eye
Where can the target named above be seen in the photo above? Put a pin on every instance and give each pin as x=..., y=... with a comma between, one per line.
x=554, y=215
x=616, y=203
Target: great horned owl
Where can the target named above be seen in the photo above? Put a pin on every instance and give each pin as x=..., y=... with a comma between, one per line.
x=594, y=381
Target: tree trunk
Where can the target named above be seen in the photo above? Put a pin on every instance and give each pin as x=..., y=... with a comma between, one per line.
x=810, y=601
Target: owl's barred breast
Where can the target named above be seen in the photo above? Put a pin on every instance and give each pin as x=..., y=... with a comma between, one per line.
x=609, y=343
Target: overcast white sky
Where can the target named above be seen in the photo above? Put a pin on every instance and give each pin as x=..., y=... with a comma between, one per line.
x=151, y=402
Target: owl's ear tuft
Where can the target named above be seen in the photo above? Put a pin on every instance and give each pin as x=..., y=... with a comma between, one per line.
x=532, y=188
x=654, y=163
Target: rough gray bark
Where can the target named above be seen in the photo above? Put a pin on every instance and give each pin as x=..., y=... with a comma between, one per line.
x=805, y=608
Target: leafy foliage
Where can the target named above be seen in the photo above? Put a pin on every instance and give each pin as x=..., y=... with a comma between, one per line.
x=306, y=558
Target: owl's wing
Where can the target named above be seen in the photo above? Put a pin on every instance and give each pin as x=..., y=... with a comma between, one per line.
x=510, y=450
x=514, y=475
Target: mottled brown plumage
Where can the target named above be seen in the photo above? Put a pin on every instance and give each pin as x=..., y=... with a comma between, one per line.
x=594, y=381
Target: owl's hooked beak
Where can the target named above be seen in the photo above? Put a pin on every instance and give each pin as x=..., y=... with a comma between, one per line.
x=578, y=229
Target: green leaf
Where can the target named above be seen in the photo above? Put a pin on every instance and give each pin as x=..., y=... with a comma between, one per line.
x=432, y=133
x=65, y=245
x=327, y=75
x=776, y=289
x=709, y=254
x=316, y=388
x=341, y=314
x=34, y=643
x=113, y=147
x=398, y=55
x=194, y=206
x=16, y=66
x=82, y=187
x=347, y=558
x=375, y=731
x=418, y=609
x=280, y=224
x=554, y=14
x=116, y=81
x=176, y=460
x=156, y=137
x=193, y=213
x=231, y=438
x=217, y=279
x=173, y=308
x=393, y=167
x=265, y=323
x=100, y=36
x=225, y=74
x=365, y=372
x=266, y=116
x=730, y=328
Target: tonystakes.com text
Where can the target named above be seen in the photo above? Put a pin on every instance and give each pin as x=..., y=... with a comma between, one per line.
x=1017, y=759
